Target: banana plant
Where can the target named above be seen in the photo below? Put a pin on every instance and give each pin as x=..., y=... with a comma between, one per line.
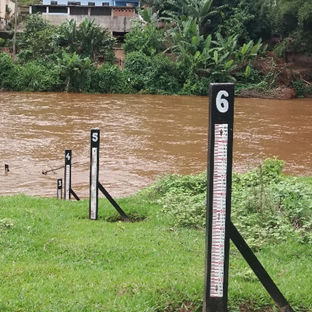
x=68, y=35
x=87, y=39
x=248, y=51
x=201, y=10
x=72, y=68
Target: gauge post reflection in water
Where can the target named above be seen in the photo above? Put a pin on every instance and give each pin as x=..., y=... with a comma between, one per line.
x=94, y=174
x=67, y=174
x=219, y=177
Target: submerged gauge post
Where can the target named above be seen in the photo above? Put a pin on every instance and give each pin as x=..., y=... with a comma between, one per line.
x=219, y=180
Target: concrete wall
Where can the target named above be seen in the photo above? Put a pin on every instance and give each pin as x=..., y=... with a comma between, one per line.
x=82, y=2
x=97, y=2
x=113, y=23
x=3, y=15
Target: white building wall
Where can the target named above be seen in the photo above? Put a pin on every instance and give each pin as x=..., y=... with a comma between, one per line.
x=82, y=2
x=3, y=4
x=96, y=2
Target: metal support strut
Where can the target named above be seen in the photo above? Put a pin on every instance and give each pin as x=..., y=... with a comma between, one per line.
x=259, y=270
x=112, y=201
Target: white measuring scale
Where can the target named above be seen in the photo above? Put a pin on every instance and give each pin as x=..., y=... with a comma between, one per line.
x=218, y=210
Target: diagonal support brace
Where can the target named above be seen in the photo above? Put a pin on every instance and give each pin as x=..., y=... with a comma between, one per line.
x=112, y=201
x=74, y=194
x=259, y=270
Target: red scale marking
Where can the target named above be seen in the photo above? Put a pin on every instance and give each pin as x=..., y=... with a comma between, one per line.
x=218, y=210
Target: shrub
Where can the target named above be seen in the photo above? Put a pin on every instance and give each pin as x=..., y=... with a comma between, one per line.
x=299, y=88
x=38, y=44
x=136, y=67
x=39, y=39
x=156, y=74
x=8, y=71
x=266, y=205
x=196, y=86
x=111, y=79
x=37, y=77
x=148, y=40
x=308, y=90
x=161, y=77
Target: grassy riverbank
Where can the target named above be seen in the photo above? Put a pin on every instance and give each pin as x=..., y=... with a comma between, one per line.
x=54, y=259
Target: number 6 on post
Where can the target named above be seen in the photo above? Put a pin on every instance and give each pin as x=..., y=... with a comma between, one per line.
x=219, y=180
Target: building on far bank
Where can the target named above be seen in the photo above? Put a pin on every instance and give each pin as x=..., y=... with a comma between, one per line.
x=7, y=8
x=115, y=15
x=118, y=3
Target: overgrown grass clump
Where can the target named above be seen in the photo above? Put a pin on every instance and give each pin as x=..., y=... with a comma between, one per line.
x=267, y=206
x=53, y=258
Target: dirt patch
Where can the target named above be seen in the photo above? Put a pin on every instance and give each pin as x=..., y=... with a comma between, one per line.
x=132, y=218
x=249, y=307
x=185, y=307
x=117, y=218
x=281, y=92
x=244, y=307
x=285, y=71
x=119, y=56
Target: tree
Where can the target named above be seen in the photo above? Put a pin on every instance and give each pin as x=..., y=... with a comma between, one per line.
x=38, y=40
x=203, y=11
x=15, y=28
x=293, y=24
x=88, y=39
x=76, y=72
x=146, y=38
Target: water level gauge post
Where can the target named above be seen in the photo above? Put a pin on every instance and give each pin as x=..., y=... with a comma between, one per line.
x=59, y=188
x=67, y=174
x=94, y=174
x=219, y=181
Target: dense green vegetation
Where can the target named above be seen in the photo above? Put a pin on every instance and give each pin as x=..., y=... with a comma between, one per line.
x=176, y=47
x=267, y=206
x=289, y=21
x=54, y=259
x=60, y=58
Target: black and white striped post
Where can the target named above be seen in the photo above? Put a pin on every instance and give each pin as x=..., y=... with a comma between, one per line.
x=67, y=174
x=59, y=188
x=95, y=184
x=94, y=174
x=219, y=228
x=219, y=180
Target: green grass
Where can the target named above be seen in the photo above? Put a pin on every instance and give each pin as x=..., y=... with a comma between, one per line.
x=53, y=258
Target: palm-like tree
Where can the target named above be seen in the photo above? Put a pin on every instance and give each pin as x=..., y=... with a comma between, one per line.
x=201, y=10
x=88, y=39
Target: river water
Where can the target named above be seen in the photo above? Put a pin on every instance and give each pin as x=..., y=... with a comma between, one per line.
x=142, y=138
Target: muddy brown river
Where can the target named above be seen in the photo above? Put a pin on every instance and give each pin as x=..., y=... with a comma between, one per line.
x=142, y=138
